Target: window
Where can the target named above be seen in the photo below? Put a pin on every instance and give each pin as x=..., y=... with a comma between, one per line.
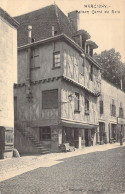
x=121, y=113
x=87, y=49
x=91, y=73
x=35, y=58
x=56, y=59
x=76, y=102
x=82, y=68
x=101, y=107
x=86, y=106
x=113, y=109
x=45, y=133
x=91, y=52
x=49, y=99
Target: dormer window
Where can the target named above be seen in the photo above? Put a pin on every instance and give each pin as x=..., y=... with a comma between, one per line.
x=90, y=45
x=89, y=50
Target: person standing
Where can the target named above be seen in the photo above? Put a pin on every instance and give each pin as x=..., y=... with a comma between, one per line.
x=121, y=138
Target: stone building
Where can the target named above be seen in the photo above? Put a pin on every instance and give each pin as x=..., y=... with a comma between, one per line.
x=111, y=113
x=59, y=83
x=8, y=76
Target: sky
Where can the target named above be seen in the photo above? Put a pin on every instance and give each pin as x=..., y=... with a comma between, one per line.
x=103, y=19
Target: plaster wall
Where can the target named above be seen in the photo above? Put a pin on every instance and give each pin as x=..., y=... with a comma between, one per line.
x=8, y=71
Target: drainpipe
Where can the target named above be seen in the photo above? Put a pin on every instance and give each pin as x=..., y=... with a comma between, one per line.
x=28, y=77
x=29, y=54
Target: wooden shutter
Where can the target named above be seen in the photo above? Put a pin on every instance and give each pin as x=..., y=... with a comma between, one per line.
x=101, y=107
x=50, y=99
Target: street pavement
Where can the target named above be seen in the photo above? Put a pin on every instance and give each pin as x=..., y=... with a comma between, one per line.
x=97, y=169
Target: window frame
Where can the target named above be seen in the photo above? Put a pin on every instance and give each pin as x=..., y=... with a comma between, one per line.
x=121, y=111
x=41, y=134
x=54, y=64
x=101, y=103
x=82, y=68
x=49, y=107
x=113, y=108
x=87, y=105
x=76, y=100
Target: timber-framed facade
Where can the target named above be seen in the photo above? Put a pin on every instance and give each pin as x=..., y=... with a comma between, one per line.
x=59, y=86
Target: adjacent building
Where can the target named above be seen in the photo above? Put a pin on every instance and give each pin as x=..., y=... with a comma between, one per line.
x=59, y=84
x=111, y=113
x=8, y=76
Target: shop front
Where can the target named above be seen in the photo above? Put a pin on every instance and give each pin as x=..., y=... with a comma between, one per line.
x=79, y=136
x=121, y=127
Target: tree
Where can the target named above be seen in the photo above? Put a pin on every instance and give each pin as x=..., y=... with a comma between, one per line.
x=113, y=69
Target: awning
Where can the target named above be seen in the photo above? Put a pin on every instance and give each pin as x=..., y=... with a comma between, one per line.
x=79, y=125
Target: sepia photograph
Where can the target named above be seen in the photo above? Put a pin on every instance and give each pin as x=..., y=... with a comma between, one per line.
x=62, y=97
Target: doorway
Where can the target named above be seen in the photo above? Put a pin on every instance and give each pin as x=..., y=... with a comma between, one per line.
x=86, y=137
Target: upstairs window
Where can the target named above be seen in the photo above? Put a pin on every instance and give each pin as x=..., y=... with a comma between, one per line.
x=86, y=106
x=56, y=59
x=50, y=99
x=45, y=133
x=76, y=102
x=101, y=106
x=91, y=73
x=121, y=113
x=91, y=52
x=35, y=58
x=87, y=49
x=113, y=108
x=82, y=68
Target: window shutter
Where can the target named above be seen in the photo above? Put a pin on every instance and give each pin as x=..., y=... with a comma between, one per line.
x=50, y=99
x=101, y=107
x=111, y=109
x=114, y=110
x=76, y=101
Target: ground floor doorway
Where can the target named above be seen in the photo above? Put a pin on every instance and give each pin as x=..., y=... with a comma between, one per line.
x=114, y=132
x=71, y=136
x=102, y=133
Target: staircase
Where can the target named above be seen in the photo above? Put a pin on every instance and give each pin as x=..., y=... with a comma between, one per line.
x=41, y=148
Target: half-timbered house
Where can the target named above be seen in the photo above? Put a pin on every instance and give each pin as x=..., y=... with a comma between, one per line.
x=59, y=83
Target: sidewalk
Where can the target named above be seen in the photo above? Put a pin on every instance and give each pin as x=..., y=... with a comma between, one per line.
x=12, y=167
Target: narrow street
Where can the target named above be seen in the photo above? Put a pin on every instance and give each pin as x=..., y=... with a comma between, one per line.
x=94, y=172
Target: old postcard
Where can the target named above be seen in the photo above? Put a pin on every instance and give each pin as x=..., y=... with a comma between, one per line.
x=62, y=96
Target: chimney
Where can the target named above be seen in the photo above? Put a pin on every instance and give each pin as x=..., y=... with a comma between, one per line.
x=74, y=19
x=53, y=31
x=29, y=34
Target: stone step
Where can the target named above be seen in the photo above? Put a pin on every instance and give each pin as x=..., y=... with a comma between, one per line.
x=42, y=149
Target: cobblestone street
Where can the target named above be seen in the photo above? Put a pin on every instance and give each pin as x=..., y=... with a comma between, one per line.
x=96, y=172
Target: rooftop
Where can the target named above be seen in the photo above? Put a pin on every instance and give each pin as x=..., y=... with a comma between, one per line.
x=41, y=21
x=8, y=18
